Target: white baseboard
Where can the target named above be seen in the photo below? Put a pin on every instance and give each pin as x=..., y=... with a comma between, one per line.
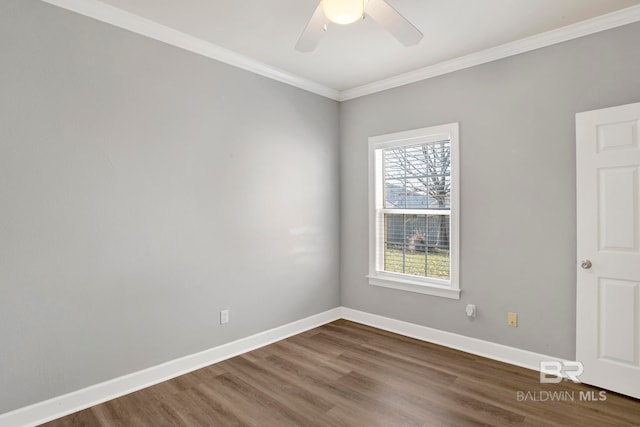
x=500, y=352
x=60, y=406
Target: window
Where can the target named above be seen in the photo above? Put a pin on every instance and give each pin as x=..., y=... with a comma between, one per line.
x=414, y=211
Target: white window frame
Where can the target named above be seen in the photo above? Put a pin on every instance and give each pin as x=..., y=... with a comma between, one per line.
x=407, y=282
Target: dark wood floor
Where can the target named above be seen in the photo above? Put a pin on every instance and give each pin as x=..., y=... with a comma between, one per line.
x=347, y=374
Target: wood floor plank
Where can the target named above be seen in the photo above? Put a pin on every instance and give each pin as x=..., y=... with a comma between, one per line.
x=300, y=400
x=347, y=374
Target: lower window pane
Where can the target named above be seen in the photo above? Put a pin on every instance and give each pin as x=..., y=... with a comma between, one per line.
x=417, y=245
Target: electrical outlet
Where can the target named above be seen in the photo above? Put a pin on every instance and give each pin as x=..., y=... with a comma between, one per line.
x=471, y=310
x=224, y=317
x=512, y=319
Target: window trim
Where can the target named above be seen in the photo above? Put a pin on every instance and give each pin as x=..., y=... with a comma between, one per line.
x=406, y=282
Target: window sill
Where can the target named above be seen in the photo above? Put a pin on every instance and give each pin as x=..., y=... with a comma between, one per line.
x=414, y=286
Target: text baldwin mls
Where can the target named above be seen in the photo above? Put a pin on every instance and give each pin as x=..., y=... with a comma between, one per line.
x=548, y=396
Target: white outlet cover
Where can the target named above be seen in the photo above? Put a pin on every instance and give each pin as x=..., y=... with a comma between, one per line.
x=224, y=316
x=471, y=310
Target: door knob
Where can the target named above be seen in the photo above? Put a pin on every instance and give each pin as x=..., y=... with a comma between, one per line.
x=586, y=264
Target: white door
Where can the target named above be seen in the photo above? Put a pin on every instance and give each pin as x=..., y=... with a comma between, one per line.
x=608, y=210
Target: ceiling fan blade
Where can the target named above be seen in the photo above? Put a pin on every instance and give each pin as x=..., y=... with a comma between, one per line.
x=385, y=15
x=313, y=31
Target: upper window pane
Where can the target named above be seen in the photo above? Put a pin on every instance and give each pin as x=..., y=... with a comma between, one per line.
x=418, y=176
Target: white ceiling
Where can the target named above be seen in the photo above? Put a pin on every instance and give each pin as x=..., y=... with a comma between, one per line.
x=360, y=54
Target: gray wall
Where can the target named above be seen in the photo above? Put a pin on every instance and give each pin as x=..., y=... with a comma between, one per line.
x=142, y=189
x=517, y=144
x=137, y=183
x=518, y=185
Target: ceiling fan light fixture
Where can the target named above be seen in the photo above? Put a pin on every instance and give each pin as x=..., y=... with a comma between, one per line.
x=343, y=12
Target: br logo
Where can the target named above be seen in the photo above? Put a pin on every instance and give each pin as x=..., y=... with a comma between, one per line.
x=552, y=371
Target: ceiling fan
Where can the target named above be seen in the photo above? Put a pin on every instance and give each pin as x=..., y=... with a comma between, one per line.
x=345, y=12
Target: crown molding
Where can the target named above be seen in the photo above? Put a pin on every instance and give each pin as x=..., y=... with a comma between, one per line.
x=137, y=24
x=134, y=23
x=570, y=32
